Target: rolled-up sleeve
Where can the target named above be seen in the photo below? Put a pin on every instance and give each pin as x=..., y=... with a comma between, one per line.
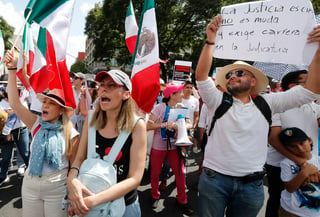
x=210, y=95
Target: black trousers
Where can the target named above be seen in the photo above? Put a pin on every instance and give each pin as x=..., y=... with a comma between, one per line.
x=275, y=186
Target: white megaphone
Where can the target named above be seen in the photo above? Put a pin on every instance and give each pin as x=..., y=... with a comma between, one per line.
x=182, y=138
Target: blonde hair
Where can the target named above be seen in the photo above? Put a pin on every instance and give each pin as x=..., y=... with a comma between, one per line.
x=124, y=120
x=67, y=128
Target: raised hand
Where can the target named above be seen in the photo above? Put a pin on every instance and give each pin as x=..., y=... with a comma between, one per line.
x=213, y=27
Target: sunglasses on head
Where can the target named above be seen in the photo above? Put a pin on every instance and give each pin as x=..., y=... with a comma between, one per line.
x=238, y=73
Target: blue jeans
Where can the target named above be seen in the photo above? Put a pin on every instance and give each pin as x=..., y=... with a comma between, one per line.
x=21, y=139
x=221, y=194
x=133, y=210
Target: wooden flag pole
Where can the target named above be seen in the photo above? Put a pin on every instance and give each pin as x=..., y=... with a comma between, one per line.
x=21, y=29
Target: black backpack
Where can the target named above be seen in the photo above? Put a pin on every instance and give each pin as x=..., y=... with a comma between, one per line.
x=227, y=101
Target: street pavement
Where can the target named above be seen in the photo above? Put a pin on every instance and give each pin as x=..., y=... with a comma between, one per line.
x=11, y=203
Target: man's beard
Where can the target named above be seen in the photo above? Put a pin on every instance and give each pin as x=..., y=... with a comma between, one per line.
x=236, y=89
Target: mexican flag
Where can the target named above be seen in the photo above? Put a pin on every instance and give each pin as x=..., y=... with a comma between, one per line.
x=145, y=75
x=27, y=48
x=1, y=47
x=131, y=28
x=49, y=69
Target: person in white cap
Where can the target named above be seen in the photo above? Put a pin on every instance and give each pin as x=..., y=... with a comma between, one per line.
x=114, y=112
x=54, y=144
x=231, y=181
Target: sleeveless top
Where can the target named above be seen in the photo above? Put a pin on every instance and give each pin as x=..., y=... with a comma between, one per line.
x=103, y=147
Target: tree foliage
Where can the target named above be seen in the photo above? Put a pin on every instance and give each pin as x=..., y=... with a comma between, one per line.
x=79, y=66
x=7, y=32
x=181, y=29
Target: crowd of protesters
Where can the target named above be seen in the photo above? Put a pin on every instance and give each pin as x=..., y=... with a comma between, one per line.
x=52, y=140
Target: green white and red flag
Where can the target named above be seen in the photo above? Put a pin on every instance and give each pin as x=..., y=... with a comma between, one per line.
x=1, y=48
x=27, y=49
x=131, y=28
x=49, y=68
x=145, y=75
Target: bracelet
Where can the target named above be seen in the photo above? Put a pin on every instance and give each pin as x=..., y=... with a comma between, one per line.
x=165, y=124
x=151, y=121
x=12, y=68
x=209, y=43
x=75, y=168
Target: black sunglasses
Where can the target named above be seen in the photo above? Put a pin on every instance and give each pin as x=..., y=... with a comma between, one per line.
x=238, y=73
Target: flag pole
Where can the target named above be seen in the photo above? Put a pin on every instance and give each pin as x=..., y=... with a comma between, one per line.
x=21, y=29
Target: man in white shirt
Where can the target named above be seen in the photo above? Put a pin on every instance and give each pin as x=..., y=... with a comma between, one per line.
x=231, y=181
x=192, y=104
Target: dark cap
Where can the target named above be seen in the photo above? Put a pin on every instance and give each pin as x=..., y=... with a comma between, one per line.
x=292, y=134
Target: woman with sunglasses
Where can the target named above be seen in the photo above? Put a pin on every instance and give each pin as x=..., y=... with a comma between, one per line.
x=114, y=112
x=53, y=146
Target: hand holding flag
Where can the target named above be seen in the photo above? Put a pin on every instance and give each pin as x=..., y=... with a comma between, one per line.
x=49, y=68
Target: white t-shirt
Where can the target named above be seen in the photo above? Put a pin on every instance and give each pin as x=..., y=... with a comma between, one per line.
x=305, y=201
x=237, y=145
x=193, y=106
x=304, y=117
x=65, y=163
x=204, y=118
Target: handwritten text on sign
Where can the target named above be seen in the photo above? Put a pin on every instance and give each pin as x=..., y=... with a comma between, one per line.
x=267, y=31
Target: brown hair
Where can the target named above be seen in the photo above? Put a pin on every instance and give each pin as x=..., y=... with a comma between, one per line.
x=67, y=128
x=124, y=120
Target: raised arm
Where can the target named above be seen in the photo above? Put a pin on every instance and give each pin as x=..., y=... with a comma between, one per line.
x=205, y=59
x=313, y=80
x=82, y=104
x=27, y=117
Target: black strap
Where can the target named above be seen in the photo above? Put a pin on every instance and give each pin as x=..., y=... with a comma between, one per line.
x=226, y=103
x=263, y=106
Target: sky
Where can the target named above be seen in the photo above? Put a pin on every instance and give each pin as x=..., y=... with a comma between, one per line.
x=12, y=11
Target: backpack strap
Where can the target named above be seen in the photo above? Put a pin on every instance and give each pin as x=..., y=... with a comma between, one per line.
x=226, y=103
x=263, y=106
x=91, y=149
x=118, y=144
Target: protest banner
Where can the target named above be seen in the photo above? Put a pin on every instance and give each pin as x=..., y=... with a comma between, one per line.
x=182, y=70
x=268, y=31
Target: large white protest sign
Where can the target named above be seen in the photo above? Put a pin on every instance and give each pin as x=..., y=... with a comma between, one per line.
x=267, y=31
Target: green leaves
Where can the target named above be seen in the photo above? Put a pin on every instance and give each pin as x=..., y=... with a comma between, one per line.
x=7, y=32
x=181, y=29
